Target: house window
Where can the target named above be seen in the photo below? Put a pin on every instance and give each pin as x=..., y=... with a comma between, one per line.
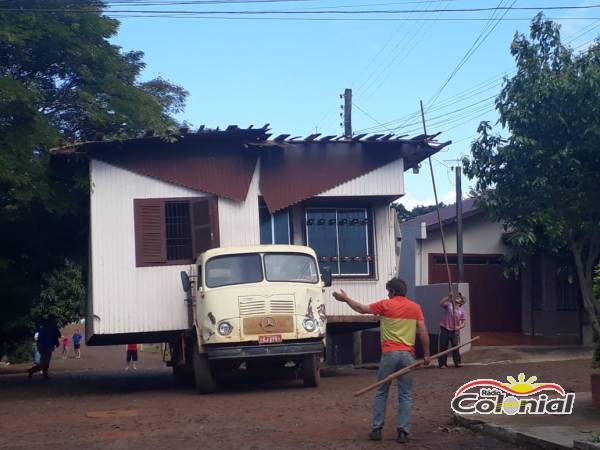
x=274, y=228
x=174, y=231
x=179, y=230
x=342, y=239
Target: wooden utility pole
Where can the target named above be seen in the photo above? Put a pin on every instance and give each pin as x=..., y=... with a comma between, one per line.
x=459, y=227
x=348, y=113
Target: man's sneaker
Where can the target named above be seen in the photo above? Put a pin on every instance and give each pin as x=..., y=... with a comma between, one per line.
x=402, y=437
x=375, y=434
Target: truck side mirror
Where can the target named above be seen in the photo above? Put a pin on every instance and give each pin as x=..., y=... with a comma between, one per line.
x=326, y=276
x=185, y=281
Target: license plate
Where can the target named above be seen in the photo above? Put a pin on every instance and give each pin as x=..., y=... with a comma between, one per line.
x=270, y=339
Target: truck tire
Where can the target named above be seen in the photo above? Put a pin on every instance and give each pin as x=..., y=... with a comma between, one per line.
x=311, y=373
x=203, y=377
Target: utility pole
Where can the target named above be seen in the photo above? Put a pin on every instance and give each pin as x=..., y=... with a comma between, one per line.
x=459, y=228
x=348, y=113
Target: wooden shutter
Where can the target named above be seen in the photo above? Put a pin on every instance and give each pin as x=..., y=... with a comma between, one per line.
x=205, y=224
x=150, y=232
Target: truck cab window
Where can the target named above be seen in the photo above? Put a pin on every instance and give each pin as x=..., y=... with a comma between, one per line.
x=233, y=269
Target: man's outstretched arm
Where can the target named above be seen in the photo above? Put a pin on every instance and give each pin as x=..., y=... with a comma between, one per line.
x=356, y=306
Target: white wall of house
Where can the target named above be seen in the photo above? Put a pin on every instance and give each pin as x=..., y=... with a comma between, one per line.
x=480, y=236
x=127, y=298
x=386, y=180
x=239, y=223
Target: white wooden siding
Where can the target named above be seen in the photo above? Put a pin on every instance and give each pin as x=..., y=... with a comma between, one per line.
x=126, y=298
x=130, y=299
x=386, y=180
x=239, y=221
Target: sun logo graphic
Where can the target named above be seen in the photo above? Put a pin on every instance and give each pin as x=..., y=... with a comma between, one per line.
x=519, y=396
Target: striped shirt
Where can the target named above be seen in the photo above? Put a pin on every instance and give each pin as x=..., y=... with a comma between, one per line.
x=399, y=317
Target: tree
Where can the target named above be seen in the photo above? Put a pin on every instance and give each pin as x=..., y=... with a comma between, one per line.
x=60, y=79
x=543, y=180
x=405, y=214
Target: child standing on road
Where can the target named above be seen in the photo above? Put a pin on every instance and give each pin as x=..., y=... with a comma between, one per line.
x=132, y=356
x=65, y=347
x=77, y=344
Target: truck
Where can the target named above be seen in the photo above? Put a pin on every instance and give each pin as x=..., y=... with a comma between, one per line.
x=249, y=308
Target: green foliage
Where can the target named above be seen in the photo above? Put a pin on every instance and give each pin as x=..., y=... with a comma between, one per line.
x=62, y=295
x=19, y=351
x=405, y=214
x=542, y=181
x=60, y=79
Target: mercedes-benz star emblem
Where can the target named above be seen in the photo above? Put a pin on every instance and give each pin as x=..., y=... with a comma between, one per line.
x=267, y=323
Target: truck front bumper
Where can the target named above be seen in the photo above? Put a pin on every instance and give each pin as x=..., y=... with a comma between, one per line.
x=290, y=349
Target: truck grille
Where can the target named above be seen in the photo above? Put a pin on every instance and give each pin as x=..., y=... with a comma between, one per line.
x=259, y=305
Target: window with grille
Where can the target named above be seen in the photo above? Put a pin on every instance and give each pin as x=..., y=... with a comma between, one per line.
x=179, y=230
x=342, y=239
x=174, y=231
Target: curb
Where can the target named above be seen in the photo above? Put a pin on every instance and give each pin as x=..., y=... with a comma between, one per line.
x=508, y=434
x=583, y=445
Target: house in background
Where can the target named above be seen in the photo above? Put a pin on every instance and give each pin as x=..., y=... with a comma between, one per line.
x=157, y=204
x=543, y=302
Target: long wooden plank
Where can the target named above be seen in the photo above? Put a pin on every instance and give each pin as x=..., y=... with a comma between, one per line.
x=399, y=373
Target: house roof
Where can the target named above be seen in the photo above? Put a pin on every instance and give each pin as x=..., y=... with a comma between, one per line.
x=447, y=214
x=222, y=162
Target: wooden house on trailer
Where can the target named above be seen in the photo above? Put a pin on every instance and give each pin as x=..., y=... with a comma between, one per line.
x=156, y=203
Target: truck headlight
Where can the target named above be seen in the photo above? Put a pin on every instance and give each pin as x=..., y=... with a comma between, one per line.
x=309, y=325
x=225, y=328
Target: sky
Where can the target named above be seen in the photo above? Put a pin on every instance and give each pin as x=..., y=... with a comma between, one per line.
x=248, y=69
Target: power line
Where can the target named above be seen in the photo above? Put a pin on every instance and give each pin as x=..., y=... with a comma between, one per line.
x=474, y=47
x=328, y=11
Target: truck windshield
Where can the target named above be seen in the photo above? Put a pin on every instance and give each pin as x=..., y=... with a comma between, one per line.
x=291, y=267
x=233, y=269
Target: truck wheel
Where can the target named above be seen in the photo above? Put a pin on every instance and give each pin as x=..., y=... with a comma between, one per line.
x=203, y=377
x=311, y=373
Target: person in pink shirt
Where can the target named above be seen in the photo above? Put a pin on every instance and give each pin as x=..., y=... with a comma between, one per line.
x=65, y=346
x=450, y=326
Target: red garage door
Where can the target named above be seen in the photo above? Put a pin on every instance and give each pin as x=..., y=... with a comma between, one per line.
x=495, y=300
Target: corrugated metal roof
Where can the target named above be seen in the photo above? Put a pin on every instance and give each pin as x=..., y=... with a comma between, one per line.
x=447, y=214
x=223, y=162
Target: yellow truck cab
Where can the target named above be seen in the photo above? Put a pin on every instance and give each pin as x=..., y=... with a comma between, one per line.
x=258, y=306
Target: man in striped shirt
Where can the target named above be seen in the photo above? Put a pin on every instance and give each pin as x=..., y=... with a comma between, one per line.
x=401, y=319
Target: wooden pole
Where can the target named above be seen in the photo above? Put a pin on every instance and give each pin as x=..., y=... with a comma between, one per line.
x=441, y=225
x=413, y=366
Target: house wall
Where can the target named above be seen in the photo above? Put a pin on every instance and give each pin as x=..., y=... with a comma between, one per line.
x=547, y=321
x=127, y=298
x=480, y=236
x=239, y=223
x=387, y=180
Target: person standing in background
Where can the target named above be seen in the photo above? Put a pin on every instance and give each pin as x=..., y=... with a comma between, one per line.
x=77, y=344
x=47, y=341
x=132, y=356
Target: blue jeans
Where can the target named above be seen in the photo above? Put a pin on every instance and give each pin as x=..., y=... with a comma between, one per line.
x=391, y=362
